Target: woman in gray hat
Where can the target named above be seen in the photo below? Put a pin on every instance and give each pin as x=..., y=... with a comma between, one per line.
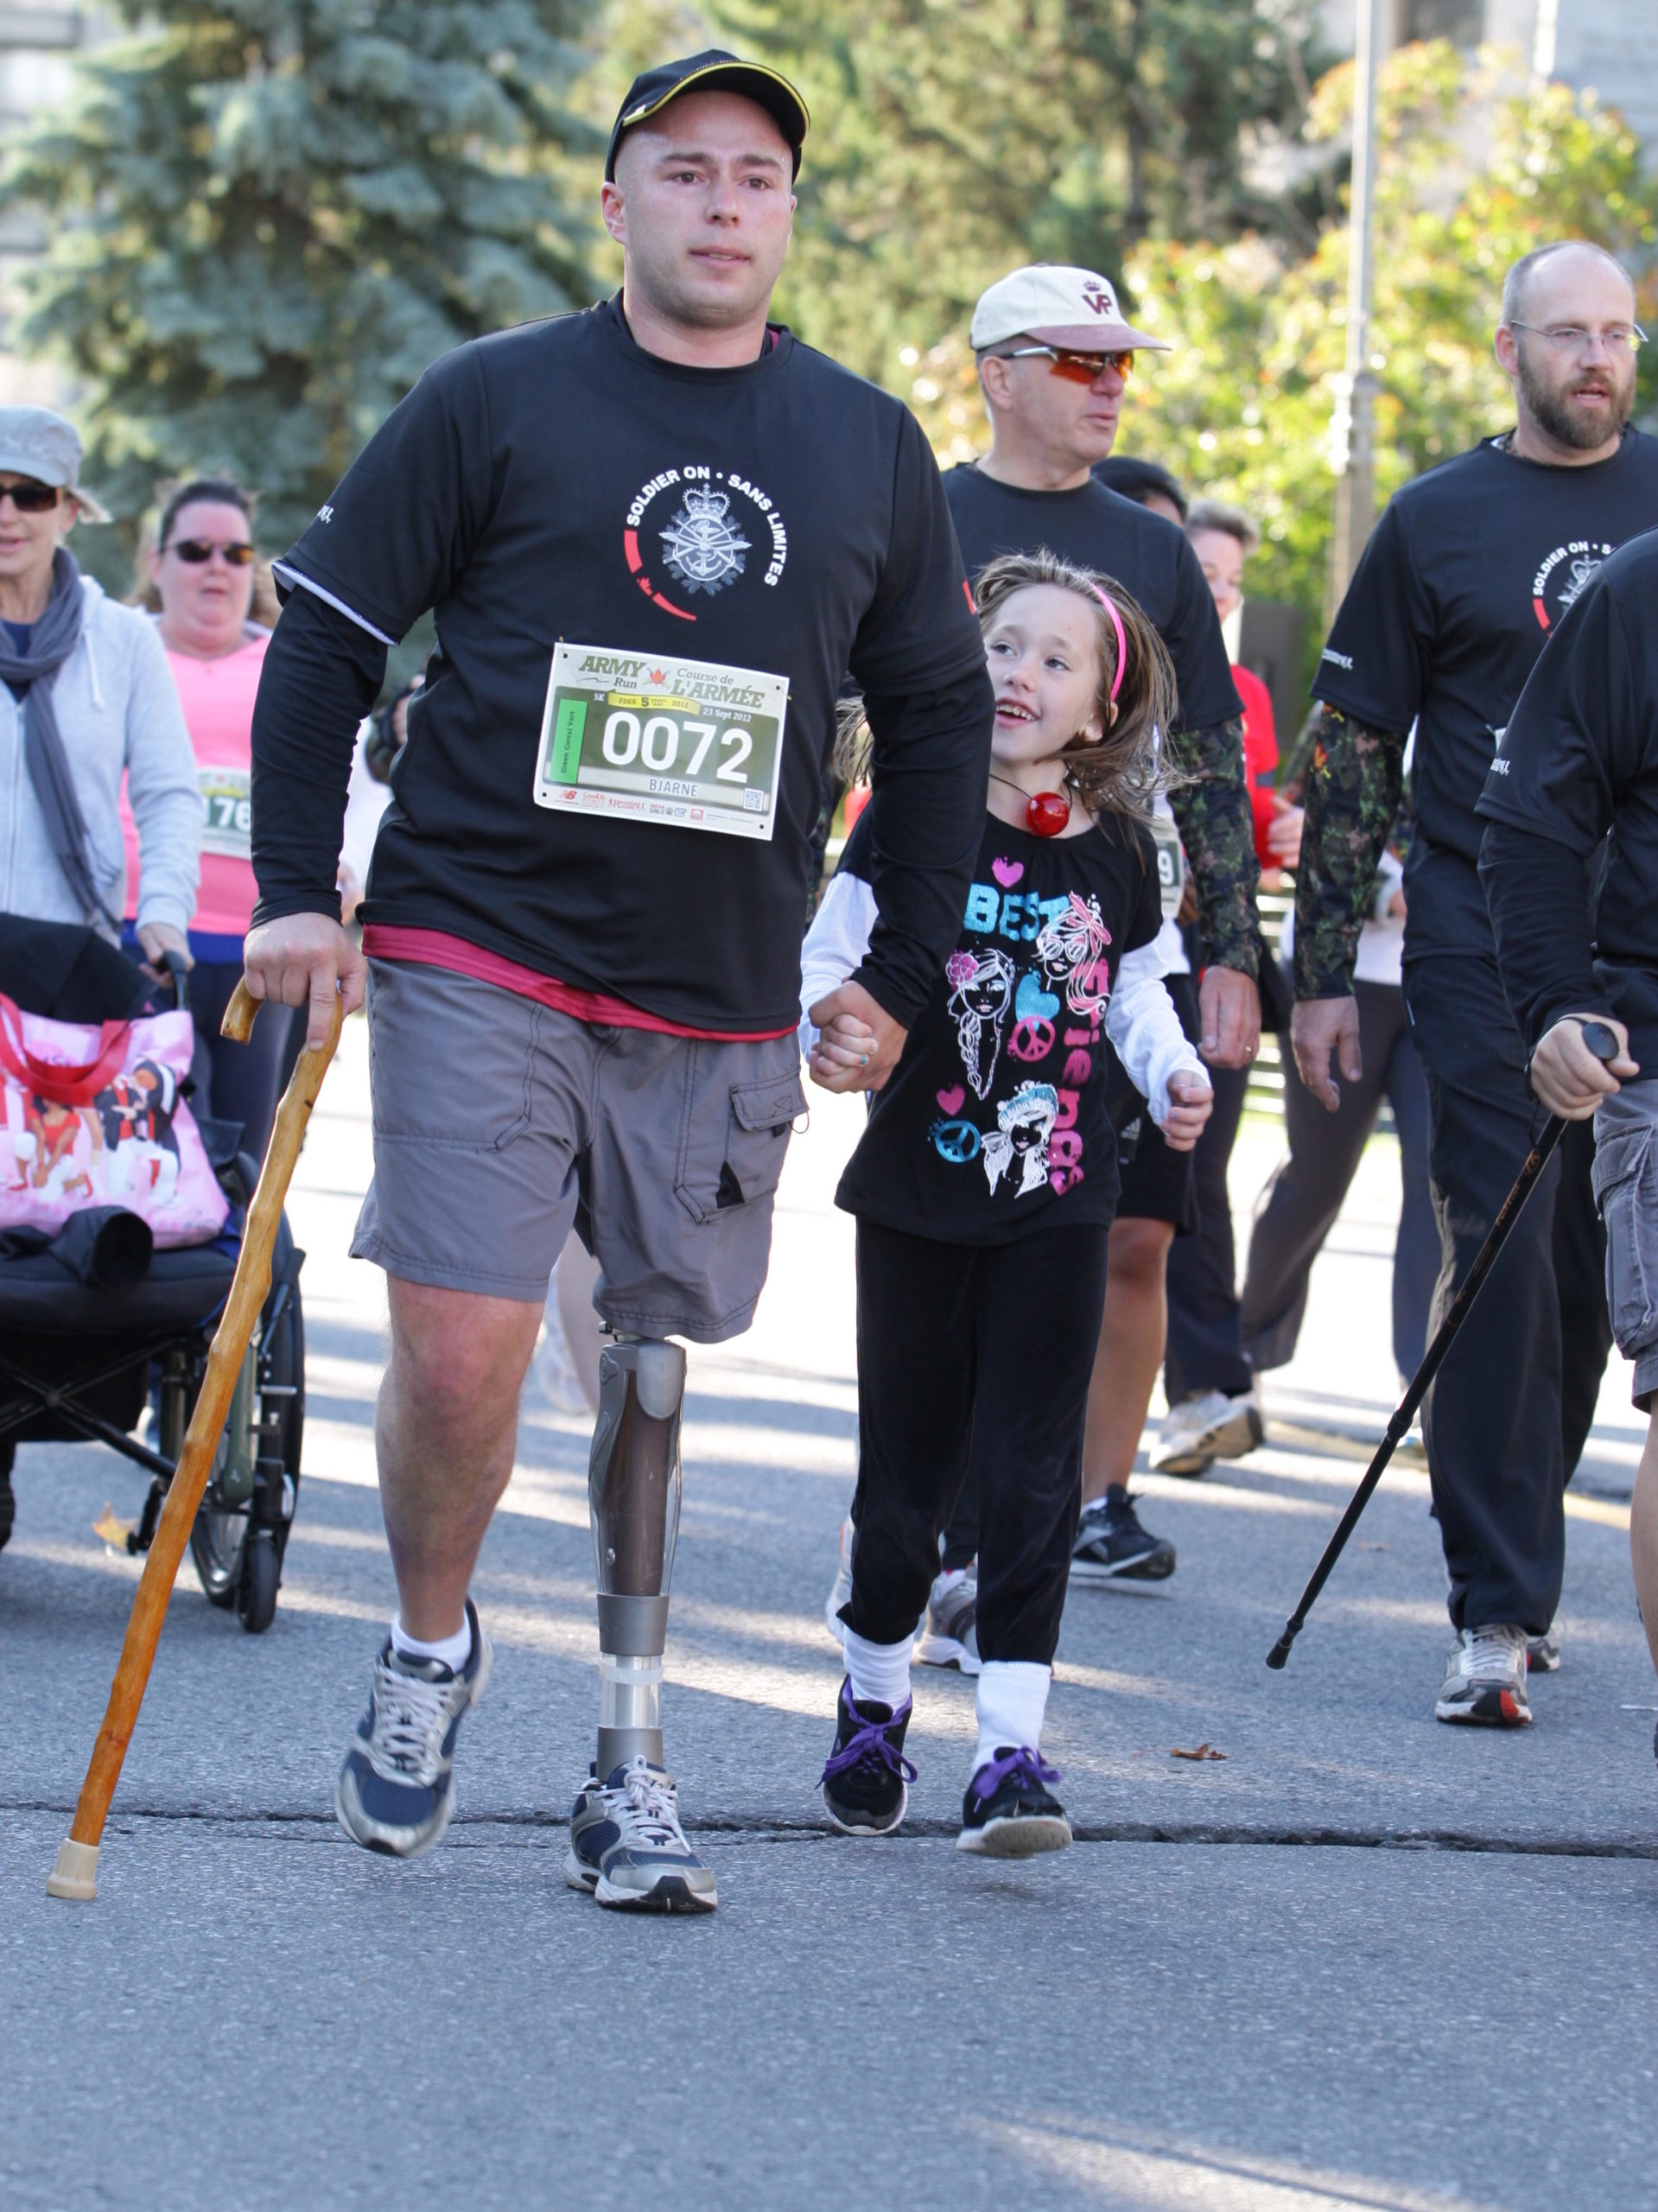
x=85, y=696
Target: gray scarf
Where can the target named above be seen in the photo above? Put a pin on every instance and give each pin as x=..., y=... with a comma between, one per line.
x=54, y=638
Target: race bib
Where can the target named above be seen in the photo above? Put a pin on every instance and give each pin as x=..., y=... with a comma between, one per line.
x=683, y=742
x=1170, y=864
x=226, y=812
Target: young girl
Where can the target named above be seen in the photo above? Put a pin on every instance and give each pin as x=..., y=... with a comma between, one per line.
x=985, y=1184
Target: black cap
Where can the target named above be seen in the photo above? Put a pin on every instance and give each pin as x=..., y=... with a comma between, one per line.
x=713, y=71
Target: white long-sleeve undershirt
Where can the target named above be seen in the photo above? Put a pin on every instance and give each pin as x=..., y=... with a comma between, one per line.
x=1140, y=1021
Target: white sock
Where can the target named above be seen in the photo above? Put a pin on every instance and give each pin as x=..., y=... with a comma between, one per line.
x=452, y=1651
x=880, y=1673
x=1012, y=1704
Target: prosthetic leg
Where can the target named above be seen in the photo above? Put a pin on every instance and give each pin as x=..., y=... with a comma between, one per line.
x=633, y=1484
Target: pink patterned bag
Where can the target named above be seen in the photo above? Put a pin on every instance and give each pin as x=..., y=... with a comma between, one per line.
x=94, y=1118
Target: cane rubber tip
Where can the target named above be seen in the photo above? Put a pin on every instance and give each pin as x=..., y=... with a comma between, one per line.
x=1280, y=1654
x=75, y=1875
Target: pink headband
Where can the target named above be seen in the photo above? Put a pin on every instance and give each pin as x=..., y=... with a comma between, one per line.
x=1122, y=643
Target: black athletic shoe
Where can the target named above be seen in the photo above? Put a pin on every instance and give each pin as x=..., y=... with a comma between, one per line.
x=1112, y=1547
x=865, y=1777
x=1007, y=1812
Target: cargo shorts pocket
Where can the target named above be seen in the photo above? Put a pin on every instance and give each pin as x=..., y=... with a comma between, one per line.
x=733, y=1139
x=1626, y=1191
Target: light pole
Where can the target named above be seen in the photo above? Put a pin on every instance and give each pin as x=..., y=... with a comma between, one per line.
x=1352, y=424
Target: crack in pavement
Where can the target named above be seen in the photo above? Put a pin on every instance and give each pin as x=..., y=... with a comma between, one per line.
x=726, y=1827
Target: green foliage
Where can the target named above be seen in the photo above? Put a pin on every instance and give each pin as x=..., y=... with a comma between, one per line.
x=954, y=139
x=268, y=216
x=1470, y=175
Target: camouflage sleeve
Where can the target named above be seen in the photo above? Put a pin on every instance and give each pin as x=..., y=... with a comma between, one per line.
x=1353, y=789
x=1211, y=807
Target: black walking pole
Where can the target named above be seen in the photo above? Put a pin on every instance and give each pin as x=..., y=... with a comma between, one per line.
x=1603, y=1043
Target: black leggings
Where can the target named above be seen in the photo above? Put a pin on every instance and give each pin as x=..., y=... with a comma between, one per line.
x=973, y=1362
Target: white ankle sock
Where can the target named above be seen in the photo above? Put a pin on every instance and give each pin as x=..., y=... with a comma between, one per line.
x=452, y=1651
x=880, y=1673
x=1012, y=1704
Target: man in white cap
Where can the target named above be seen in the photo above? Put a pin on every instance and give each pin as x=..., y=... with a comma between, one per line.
x=1055, y=354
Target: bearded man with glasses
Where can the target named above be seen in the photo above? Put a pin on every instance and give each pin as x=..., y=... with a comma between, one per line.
x=1468, y=574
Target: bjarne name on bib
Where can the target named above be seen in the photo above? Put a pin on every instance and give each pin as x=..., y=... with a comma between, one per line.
x=686, y=743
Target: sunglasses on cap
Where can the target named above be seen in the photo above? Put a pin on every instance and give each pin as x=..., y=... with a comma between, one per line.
x=1076, y=368
x=30, y=498
x=196, y=550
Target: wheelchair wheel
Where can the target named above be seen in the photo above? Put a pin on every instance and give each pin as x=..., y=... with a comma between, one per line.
x=256, y=1594
x=238, y=1548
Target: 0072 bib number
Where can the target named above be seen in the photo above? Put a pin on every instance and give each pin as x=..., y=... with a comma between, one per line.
x=686, y=743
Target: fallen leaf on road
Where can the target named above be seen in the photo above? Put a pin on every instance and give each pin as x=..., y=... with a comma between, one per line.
x=113, y=1532
x=1203, y=1751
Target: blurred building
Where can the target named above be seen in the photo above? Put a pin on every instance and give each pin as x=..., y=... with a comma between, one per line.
x=37, y=48
x=1607, y=46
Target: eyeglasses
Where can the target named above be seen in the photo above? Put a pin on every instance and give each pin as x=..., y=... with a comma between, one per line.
x=196, y=550
x=30, y=498
x=1076, y=368
x=1570, y=337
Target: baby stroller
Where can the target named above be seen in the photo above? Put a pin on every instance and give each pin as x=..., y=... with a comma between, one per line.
x=84, y=1349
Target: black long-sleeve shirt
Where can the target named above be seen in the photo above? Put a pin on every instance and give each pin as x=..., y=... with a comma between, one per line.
x=697, y=534
x=1571, y=810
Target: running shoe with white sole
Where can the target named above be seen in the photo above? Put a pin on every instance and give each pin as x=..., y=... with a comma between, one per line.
x=1207, y=1426
x=865, y=1778
x=949, y=1635
x=1112, y=1547
x=1485, y=1681
x=841, y=1592
x=627, y=1849
x=1008, y=1811
x=1543, y=1652
x=395, y=1791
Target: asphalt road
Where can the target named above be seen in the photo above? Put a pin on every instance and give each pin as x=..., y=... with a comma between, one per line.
x=1359, y=1959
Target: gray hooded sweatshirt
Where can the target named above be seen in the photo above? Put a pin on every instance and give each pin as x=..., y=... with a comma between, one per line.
x=117, y=709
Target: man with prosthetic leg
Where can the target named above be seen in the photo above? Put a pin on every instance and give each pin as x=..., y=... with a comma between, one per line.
x=654, y=536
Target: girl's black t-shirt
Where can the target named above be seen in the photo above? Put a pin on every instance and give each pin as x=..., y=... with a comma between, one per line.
x=994, y=1122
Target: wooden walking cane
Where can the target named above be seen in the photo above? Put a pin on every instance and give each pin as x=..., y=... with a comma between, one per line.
x=75, y=1873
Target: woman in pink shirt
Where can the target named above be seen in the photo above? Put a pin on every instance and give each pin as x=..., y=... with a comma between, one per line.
x=203, y=571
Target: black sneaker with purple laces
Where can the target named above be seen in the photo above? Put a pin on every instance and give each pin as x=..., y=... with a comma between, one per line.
x=865, y=1777
x=1007, y=1812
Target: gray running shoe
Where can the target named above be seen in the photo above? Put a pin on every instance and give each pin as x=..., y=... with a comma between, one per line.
x=949, y=1634
x=628, y=1848
x=396, y=1790
x=840, y=1591
x=1485, y=1681
x=1543, y=1652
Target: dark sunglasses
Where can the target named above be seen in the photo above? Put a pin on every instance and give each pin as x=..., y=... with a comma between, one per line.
x=1076, y=368
x=30, y=498
x=196, y=550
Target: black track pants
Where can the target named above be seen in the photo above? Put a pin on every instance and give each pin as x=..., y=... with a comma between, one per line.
x=973, y=1362
x=1492, y=1422
x=1206, y=1341
x=1300, y=1205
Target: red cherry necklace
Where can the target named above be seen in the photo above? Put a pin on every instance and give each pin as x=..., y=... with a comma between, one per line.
x=1046, y=813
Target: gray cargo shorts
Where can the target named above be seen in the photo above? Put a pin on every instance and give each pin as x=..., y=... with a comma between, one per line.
x=498, y=1123
x=1626, y=1191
